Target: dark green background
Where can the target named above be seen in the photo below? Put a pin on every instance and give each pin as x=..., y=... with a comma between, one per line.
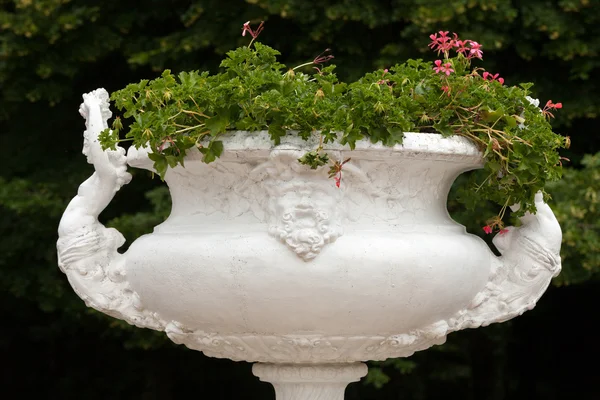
x=52, y=51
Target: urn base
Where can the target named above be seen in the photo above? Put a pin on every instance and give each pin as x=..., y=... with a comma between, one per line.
x=309, y=382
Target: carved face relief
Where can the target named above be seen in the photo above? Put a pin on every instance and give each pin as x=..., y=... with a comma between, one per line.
x=86, y=148
x=304, y=216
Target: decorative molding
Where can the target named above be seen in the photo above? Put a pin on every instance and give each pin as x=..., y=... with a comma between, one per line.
x=87, y=250
x=302, y=208
x=309, y=382
x=530, y=259
x=306, y=349
x=329, y=373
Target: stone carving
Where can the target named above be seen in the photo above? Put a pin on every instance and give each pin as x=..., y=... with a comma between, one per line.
x=87, y=250
x=298, y=373
x=399, y=242
x=530, y=259
x=308, y=349
x=327, y=382
x=223, y=181
x=378, y=192
x=302, y=211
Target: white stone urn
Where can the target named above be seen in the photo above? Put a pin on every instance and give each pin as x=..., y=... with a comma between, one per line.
x=265, y=260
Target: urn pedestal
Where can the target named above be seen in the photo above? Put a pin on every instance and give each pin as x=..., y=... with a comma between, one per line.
x=265, y=260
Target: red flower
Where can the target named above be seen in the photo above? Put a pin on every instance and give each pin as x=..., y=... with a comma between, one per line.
x=493, y=77
x=335, y=171
x=338, y=179
x=550, y=106
x=487, y=229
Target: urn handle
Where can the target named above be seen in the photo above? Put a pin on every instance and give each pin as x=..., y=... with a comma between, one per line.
x=530, y=258
x=87, y=250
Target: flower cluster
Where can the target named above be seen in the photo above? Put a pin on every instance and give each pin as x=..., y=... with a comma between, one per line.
x=487, y=75
x=456, y=79
x=465, y=49
x=446, y=68
x=444, y=43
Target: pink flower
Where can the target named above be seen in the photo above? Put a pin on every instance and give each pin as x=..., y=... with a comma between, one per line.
x=442, y=43
x=446, y=89
x=434, y=41
x=335, y=171
x=487, y=229
x=493, y=77
x=443, y=36
x=446, y=68
x=323, y=58
x=449, y=69
x=246, y=28
x=383, y=81
x=550, y=105
x=475, y=50
x=462, y=46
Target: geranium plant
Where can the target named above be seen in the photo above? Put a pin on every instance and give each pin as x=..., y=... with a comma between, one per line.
x=253, y=91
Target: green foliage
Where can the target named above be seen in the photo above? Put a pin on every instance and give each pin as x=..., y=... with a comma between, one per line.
x=577, y=207
x=378, y=378
x=173, y=114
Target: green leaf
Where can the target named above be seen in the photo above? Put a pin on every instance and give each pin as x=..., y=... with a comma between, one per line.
x=108, y=139
x=217, y=124
x=314, y=159
x=160, y=163
x=276, y=132
x=172, y=161
x=443, y=128
x=351, y=137
x=510, y=121
x=490, y=115
x=212, y=151
x=395, y=136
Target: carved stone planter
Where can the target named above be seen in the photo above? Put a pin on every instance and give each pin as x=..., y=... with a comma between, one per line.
x=267, y=261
